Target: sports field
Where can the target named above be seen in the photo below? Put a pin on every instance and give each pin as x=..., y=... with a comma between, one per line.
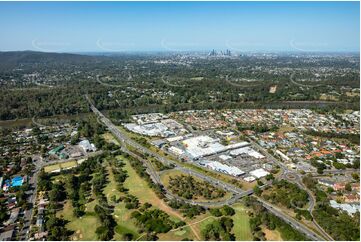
x=59, y=166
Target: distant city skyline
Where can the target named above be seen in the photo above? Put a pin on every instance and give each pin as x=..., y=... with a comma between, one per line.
x=180, y=26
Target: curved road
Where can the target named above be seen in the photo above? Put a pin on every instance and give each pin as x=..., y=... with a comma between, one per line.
x=238, y=193
x=286, y=173
x=302, y=85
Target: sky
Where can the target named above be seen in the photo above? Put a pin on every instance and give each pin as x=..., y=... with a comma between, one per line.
x=179, y=26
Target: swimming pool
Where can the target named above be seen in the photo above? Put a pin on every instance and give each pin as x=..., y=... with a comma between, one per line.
x=17, y=181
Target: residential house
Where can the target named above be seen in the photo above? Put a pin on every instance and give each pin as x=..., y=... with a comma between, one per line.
x=339, y=186
x=351, y=198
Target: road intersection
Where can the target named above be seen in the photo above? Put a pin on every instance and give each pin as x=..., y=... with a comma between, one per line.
x=237, y=192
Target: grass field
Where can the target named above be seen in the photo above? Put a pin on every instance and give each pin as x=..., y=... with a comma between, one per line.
x=139, y=188
x=121, y=214
x=60, y=166
x=171, y=173
x=165, y=177
x=241, y=228
x=177, y=235
x=195, y=225
x=202, y=225
x=84, y=227
x=108, y=137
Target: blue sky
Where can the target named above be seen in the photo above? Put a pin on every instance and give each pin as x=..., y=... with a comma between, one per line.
x=149, y=26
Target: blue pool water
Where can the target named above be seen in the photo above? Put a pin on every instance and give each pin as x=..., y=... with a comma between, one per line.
x=17, y=181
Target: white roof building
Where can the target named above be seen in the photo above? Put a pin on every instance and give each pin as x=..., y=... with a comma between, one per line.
x=225, y=157
x=349, y=208
x=74, y=133
x=176, y=138
x=202, y=146
x=152, y=129
x=248, y=151
x=225, y=133
x=249, y=179
x=176, y=150
x=231, y=170
x=86, y=146
x=259, y=173
x=283, y=156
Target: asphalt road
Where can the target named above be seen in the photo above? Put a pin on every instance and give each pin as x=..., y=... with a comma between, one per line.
x=33, y=182
x=297, y=179
x=238, y=193
x=297, y=225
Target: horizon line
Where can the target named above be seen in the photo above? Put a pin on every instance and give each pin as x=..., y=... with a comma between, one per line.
x=183, y=51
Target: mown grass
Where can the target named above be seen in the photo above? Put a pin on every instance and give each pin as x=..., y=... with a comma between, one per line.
x=60, y=166
x=139, y=188
x=177, y=235
x=84, y=227
x=121, y=214
x=241, y=228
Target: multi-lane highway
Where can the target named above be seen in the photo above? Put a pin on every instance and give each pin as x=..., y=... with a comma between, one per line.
x=237, y=192
x=124, y=139
x=297, y=225
x=156, y=179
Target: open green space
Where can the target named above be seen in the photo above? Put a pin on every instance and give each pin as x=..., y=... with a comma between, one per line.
x=208, y=220
x=168, y=174
x=121, y=214
x=59, y=166
x=165, y=176
x=177, y=235
x=83, y=227
x=139, y=188
x=108, y=137
x=241, y=228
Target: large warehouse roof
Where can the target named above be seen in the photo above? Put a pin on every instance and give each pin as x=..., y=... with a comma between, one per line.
x=231, y=170
x=259, y=173
x=202, y=146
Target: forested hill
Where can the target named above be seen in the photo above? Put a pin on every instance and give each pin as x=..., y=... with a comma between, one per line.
x=15, y=59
